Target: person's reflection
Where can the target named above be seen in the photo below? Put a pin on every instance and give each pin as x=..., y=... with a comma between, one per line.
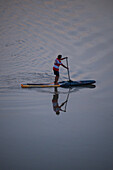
x=56, y=106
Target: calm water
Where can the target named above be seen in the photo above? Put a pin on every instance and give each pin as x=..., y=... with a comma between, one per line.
x=32, y=34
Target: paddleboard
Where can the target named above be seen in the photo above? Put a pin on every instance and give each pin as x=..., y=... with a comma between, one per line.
x=65, y=84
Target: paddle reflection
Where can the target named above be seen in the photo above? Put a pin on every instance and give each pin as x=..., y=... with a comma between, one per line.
x=56, y=106
x=59, y=107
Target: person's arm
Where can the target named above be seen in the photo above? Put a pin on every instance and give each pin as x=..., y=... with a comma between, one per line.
x=64, y=66
x=63, y=58
x=63, y=110
x=63, y=104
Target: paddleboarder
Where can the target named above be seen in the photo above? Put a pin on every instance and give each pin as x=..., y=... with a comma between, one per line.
x=56, y=106
x=57, y=63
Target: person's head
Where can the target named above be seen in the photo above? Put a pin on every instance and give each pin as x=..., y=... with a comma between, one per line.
x=59, y=56
x=57, y=113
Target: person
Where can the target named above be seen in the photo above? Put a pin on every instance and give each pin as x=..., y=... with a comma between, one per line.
x=56, y=106
x=57, y=63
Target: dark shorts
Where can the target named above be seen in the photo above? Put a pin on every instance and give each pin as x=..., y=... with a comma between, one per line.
x=56, y=73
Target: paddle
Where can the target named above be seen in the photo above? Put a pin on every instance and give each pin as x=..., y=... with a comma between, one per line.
x=68, y=70
x=67, y=99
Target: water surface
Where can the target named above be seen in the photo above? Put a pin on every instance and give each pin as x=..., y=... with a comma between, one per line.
x=32, y=34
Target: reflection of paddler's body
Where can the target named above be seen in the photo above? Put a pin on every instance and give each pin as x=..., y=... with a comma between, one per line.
x=56, y=106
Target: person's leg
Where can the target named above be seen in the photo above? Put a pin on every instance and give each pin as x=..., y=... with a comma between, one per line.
x=56, y=73
x=56, y=79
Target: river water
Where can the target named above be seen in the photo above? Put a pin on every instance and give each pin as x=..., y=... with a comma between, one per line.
x=32, y=135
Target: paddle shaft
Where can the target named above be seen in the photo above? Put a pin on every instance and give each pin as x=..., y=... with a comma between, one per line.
x=68, y=69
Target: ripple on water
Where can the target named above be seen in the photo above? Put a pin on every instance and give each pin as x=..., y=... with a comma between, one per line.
x=35, y=33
